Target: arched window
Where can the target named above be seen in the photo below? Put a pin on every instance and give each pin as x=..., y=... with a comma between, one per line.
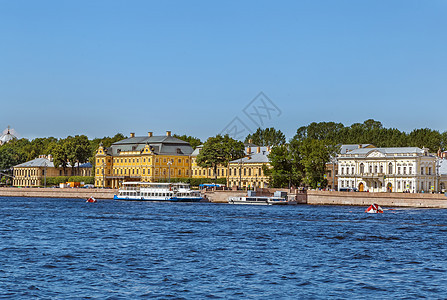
x=381, y=169
x=390, y=168
x=375, y=169
x=370, y=169
x=362, y=168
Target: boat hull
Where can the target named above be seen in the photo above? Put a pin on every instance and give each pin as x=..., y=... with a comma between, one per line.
x=161, y=199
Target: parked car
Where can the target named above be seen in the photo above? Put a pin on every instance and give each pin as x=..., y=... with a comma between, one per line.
x=348, y=189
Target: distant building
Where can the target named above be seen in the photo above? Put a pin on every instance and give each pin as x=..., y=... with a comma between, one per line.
x=403, y=169
x=332, y=166
x=145, y=158
x=7, y=137
x=33, y=172
x=247, y=172
x=199, y=172
x=442, y=171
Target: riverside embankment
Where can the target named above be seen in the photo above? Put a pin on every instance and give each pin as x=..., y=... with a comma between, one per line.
x=218, y=196
x=58, y=193
x=383, y=199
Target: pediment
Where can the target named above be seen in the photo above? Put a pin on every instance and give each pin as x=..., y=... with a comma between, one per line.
x=375, y=154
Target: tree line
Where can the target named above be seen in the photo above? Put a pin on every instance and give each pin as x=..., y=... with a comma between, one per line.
x=69, y=151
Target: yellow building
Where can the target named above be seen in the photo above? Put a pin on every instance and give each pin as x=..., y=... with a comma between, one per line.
x=34, y=172
x=199, y=172
x=247, y=172
x=148, y=159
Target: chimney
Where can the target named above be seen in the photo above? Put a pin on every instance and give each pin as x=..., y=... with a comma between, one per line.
x=168, y=133
x=258, y=150
x=360, y=146
x=149, y=134
x=132, y=134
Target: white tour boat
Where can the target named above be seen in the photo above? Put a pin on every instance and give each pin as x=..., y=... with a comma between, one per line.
x=258, y=200
x=147, y=191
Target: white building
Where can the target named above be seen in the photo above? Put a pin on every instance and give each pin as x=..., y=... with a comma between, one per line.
x=406, y=169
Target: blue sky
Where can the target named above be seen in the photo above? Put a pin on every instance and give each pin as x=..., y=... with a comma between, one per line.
x=102, y=67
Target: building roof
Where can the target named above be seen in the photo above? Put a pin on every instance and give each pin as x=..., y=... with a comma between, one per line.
x=166, y=145
x=261, y=157
x=45, y=162
x=350, y=147
x=395, y=151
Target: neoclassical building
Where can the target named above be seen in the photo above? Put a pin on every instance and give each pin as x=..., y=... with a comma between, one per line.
x=143, y=158
x=248, y=172
x=404, y=169
x=33, y=172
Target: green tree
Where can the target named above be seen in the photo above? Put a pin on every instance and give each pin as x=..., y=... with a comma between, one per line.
x=315, y=155
x=320, y=131
x=267, y=137
x=193, y=141
x=79, y=150
x=61, y=154
x=286, y=169
x=219, y=150
x=426, y=137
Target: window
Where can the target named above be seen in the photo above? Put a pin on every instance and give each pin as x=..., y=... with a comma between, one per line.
x=370, y=169
x=342, y=171
x=362, y=168
x=422, y=170
x=410, y=170
x=179, y=172
x=179, y=160
x=249, y=172
x=352, y=171
x=390, y=168
x=260, y=171
x=381, y=169
x=375, y=169
x=429, y=172
x=404, y=170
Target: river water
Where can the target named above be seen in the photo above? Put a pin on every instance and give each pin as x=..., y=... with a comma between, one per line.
x=66, y=248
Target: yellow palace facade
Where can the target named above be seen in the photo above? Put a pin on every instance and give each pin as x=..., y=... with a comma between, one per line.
x=148, y=159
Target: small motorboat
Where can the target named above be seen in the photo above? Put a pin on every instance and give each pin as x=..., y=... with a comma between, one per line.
x=91, y=200
x=374, y=209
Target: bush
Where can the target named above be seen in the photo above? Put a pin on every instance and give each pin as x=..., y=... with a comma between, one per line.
x=63, y=179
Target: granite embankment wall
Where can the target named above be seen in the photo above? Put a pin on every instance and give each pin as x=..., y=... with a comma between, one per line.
x=222, y=196
x=383, y=199
x=58, y=193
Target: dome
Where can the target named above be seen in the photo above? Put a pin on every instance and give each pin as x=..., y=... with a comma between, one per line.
x=7, y=137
